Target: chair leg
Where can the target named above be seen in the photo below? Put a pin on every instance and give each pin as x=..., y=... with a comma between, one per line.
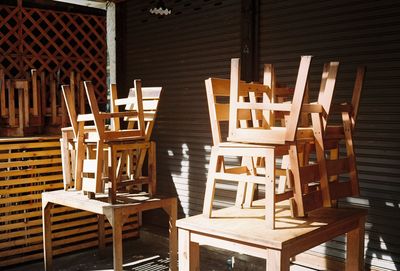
x=99, y=167
x=270, y=188
x=251, y=187
x=210, y=186
x=353, y=174
x=297, y=204
x=321, y=160
x=79, y=158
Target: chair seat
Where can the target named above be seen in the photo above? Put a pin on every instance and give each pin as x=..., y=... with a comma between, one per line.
x=274, y=136
x=125, y=140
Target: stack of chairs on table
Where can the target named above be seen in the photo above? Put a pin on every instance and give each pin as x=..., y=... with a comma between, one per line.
x=107, y=157
x=271, y=126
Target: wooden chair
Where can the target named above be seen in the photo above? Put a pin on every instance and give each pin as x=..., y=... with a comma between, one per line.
x=218, y=103
x=135, y=160
x=288, y=134
x=334, y=136
x=254, y=172
x=69, y=138
x=90, y=171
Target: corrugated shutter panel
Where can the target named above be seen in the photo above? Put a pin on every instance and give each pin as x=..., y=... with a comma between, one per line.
x=353, y=32
x=179, y=52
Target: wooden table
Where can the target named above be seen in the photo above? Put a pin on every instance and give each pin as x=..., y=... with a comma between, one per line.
x=244, y=231
x=117, y=215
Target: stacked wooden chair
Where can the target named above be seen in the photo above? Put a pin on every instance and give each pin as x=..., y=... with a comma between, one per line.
x=263, y=127
x=343, y=162
x=20, y=112
x=109, y=158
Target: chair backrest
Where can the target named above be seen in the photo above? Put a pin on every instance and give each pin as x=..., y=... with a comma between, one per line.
x=325, y=95
x=355, y=101
x=266, y=133
x=218, y=94
x=151, y=98
x=100, y=117
x=71, y=110
x=352, y=107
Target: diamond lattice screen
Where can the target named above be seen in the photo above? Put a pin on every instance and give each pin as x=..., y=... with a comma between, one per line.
x=53, y=41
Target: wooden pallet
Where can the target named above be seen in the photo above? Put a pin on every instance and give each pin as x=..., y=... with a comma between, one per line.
x=28, y=167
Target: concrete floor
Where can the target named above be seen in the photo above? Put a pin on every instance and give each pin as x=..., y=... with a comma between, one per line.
x=147, y=253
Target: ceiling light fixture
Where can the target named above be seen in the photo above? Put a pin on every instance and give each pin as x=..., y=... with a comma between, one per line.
x=160, y=9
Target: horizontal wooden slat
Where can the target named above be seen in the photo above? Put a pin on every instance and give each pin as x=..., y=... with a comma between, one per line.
x=19, y=207
x=29, y=154
x=32, y=181
x=30, y=163
x=336, y=167
x=149, y=92
x=51, y=186
x=29, y=146
x=309, y=173
x=31, y=171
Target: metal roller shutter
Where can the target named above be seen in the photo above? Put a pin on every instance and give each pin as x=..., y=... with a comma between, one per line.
x=353, y=32
x=179, y=52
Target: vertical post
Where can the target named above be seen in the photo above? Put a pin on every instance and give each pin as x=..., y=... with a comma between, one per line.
x=35, y=95
x=65, y=159
x=111, y=42
x=21, y=114
x=249, y=44
x=355, y=247
x=26, y=104
x=53, y=101
x=170, y=206
x=277, y=260
x=11, y=104
x=210, y=185
x=47, y=242
x=43, y=95
x=117, y=238
x=270, y=188
x=189, y=252
x=120, y=23
x=101, y=232
x=173, y=235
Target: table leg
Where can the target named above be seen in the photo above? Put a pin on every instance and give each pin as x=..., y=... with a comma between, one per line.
x=355, y=247
x=117, y=240
x=270, y=189
x=173, y=238
x=210, y=185
x=101, y=232
x=189, y=252
x=277, y=260
x=47, y=244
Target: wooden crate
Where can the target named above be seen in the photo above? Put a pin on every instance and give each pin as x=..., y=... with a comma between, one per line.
x=29, y=166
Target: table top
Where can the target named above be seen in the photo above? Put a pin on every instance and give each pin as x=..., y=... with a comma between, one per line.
x=77, y=200
x=248, y=225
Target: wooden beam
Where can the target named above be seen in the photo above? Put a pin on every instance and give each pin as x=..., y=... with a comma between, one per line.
x=100, y=4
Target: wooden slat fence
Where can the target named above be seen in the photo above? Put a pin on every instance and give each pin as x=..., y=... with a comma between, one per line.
x=28, y=167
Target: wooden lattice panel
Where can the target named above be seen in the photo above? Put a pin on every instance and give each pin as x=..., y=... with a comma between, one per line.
x=9, y=41
x=55, y=42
